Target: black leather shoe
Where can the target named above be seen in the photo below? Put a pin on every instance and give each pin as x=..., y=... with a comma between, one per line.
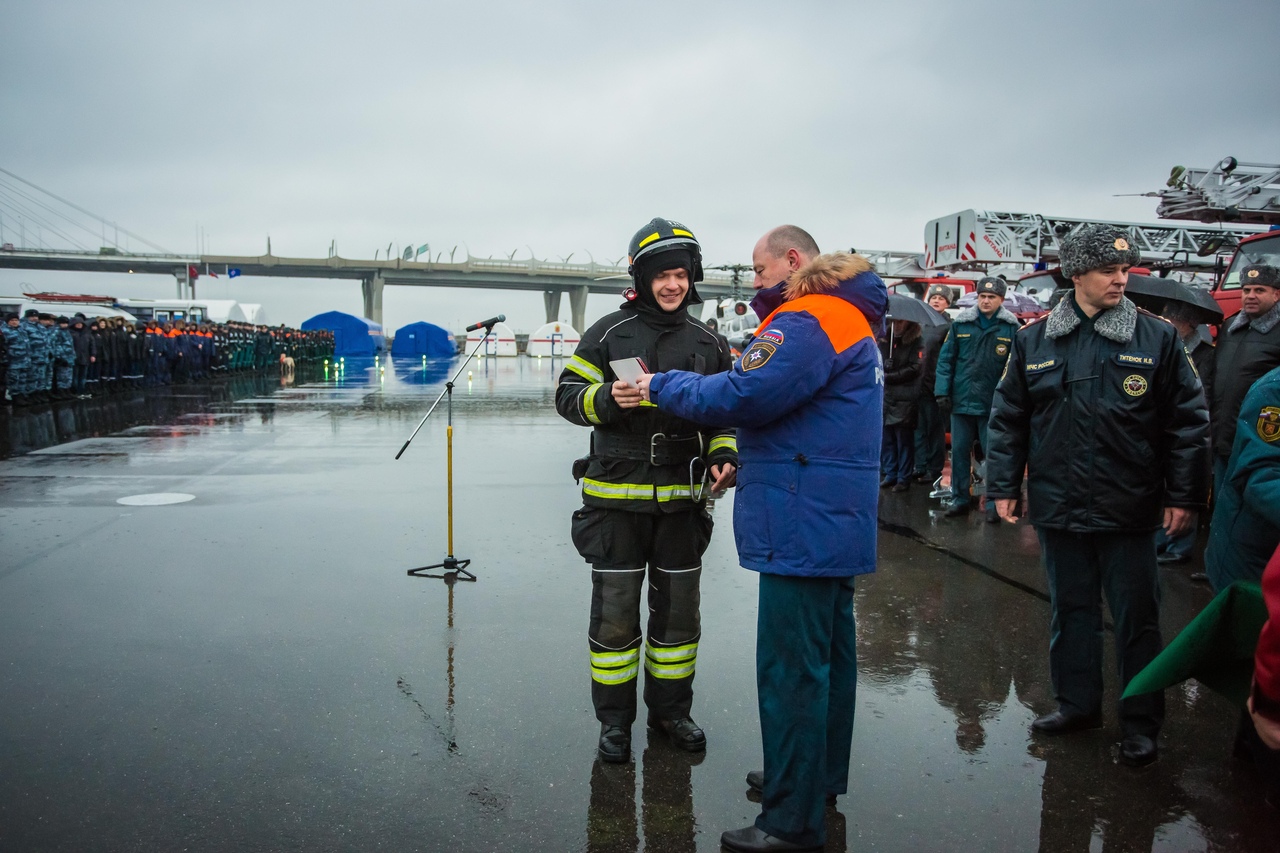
x=753, y=839
x=684, y=733
x=1058, y=723
x=1167, y=559
x=958, y=508
x=755, y=781
x=1138, y=751
x=887, y=482
x=901, y=487
x=615, y=744
x=1199, y=577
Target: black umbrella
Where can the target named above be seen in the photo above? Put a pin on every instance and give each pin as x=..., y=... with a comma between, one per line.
x=913, y=311
x=1155, y=294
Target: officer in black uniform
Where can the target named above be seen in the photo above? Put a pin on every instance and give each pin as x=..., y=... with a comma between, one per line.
x=1100, y=403
x=644, y=491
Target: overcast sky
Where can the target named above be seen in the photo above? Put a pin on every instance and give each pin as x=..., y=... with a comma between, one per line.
x=562, y=127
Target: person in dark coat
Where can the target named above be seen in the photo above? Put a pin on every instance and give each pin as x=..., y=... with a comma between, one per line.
x=931, y=427
x=644, y=524
x=902, y=351
x=1199, y=345
x=969, y=365
x=1101, y=406
x=86, y=354
x=1248, y=347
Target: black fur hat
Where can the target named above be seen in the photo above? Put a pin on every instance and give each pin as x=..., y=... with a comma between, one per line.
x=991, y=284
x=1096, y=246
x=1260, y=274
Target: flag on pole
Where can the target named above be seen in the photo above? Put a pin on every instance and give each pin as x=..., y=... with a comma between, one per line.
x=192, y=272
x=234, y=272
x=209, y=272
x=408, y=252
x=424, y=248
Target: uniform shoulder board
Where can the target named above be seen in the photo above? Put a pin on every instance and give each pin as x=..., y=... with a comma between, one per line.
x=1149, y=314
x=1031, y=323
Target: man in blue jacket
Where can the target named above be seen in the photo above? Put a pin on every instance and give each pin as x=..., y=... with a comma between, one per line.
x=807, y=397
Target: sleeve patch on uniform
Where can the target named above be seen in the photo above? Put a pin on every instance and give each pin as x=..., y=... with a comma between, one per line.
x=1002, y=349
x=1041, y=365
x=758, y=354
x=771, y=335
x=1269, y=424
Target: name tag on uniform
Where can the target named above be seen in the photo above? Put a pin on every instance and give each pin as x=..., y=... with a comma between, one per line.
x=1137, y=359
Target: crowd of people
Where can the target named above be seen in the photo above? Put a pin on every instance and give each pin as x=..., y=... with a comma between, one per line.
x=44, y=358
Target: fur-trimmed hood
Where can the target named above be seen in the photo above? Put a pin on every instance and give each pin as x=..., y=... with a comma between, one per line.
x=1115, y=324
x=970, y=314
x=848, y=276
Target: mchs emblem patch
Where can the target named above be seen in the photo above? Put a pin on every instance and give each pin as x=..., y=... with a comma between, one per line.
x=1135, y=385
x=1269, y=424
x=757, y=355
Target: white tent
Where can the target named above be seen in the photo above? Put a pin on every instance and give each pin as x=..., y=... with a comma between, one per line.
x=220, y=310
x=251, y=312
x=554, y=340
x=501, y=341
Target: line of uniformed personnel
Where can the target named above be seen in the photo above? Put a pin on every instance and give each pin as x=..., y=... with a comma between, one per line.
x=45, y=358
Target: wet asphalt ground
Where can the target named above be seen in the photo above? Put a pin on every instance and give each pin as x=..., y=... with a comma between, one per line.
x=253, y=670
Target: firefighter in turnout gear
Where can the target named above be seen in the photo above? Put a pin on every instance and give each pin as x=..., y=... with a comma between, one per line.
x=644, y=491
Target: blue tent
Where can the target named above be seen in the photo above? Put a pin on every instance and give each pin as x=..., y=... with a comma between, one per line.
x=418, y=339
x=351, y=335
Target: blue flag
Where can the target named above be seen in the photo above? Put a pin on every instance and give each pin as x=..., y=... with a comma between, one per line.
x=233, y=272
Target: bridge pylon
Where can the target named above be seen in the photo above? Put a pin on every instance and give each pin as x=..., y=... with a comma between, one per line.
x=372, y=287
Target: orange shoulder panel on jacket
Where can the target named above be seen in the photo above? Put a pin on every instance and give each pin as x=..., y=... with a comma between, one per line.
x=843, y=323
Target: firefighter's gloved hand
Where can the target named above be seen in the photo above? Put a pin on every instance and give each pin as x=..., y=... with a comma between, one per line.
x=944, y=403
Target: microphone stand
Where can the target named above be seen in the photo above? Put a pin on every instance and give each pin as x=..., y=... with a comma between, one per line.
x=452, y=567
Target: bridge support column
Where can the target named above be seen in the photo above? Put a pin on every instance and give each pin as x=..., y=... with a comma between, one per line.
x=372, y=289
x=578, y=307
x=551, y=299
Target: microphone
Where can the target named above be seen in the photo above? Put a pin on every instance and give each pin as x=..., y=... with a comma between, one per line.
x=487, y=323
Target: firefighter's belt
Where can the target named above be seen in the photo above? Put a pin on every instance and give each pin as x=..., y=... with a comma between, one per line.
x=658, y=449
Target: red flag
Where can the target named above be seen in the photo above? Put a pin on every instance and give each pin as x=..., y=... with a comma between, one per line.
x=192, y=272
x=209, y=272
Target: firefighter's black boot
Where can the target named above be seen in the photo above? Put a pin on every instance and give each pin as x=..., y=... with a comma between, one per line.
x=615, y=744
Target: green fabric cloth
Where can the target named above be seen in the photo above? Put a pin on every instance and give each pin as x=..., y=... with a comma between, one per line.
x=1216, y=648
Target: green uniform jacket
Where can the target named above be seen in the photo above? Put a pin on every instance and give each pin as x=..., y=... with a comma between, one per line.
x=972, y=360
x=1246, y=516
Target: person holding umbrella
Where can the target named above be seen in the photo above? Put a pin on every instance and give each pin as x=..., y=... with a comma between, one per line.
x=931, y=430
x=902, y=352
x=969, y=366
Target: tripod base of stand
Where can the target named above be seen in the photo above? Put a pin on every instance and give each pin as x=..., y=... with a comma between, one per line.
x=453, y=570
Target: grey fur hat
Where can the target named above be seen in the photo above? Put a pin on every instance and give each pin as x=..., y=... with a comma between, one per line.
x=940, y=290
x=1096, y=246
x=1260, y=274
x=991, y=284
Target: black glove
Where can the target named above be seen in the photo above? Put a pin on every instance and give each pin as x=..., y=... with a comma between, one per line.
x=944, y=404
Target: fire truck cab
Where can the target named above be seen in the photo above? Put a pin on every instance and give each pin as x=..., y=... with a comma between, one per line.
x=1261, y=248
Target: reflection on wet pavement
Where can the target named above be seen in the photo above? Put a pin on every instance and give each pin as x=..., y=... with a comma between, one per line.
x=252, y=669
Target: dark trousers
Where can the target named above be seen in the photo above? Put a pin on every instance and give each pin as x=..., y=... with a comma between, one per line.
x=965, y=430
x=807, y=680
x=931, y=438
x=897, y=453
x=1081, y=568
x=622, y=547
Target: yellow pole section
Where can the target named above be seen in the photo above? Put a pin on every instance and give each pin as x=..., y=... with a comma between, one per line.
x=449, y=433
